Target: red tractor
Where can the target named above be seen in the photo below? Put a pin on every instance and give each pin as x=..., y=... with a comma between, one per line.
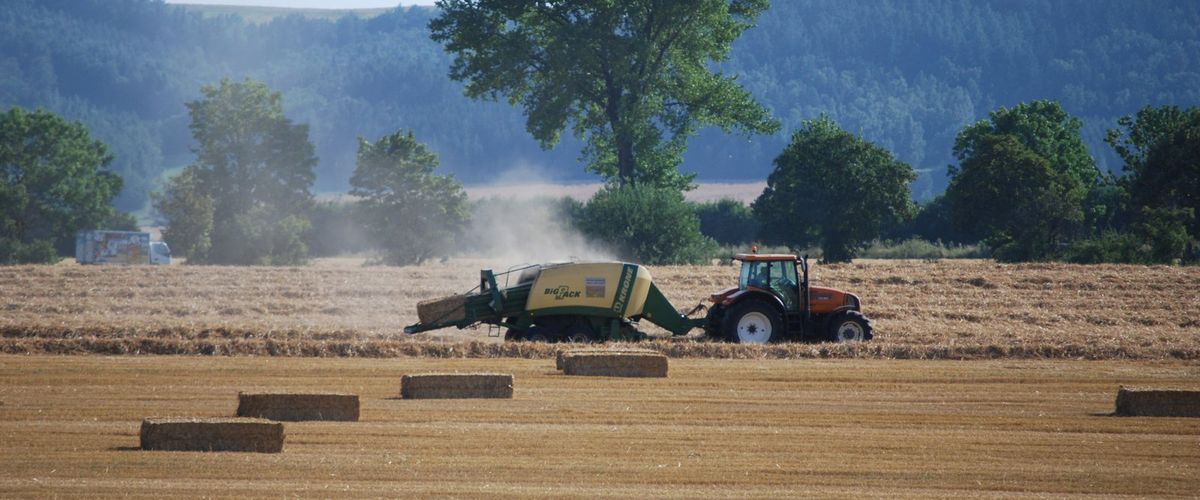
x=774, y=301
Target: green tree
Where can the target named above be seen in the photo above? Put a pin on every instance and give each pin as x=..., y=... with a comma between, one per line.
x=409, y=213
x=1046, y=130
x=835, y=188
x=646, y=224
x=190, y=214
x=1161, y=149
x=728, y=221
x=53, y=182
x=1165, y=232
x=1029, y=184
x=256, y=167
x=631, y=77
x=1014, y=199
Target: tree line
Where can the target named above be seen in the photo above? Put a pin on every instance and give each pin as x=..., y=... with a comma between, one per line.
x=634, y=81
x=903, y=74
x=1025, y=188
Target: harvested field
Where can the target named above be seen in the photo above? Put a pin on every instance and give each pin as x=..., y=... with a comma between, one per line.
x=211, y=434
x=715, y=428
x=457, y=386
x=615, y=364
x=923, y=310
x=293, y=407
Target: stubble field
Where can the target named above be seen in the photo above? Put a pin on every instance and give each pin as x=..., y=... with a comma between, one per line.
x=1027, y=415
x=924, y=310
x=715, y=428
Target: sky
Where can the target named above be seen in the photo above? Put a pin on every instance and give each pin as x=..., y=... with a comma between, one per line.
x=312, y=4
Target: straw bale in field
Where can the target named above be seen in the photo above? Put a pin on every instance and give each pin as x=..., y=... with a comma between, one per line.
x=215, y=434
x=297, y=407
x=445, y=309
x=1158, y=402
x=565, y=353
x=456, y=386
x=616, y=365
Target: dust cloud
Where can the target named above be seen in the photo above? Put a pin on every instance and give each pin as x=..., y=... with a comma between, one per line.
x=528, y=226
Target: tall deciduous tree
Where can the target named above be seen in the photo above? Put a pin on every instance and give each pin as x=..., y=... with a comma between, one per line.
x=409, y=213
x=1025, y=213
x=1161, y=149
x=833, y=187
x=1045, y=129
x=189, y=211
x=630, y=77
x=256, y=167
x=53, y=181
x=1013, y=198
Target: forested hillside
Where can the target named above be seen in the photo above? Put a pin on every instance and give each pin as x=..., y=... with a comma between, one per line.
x=905, y=74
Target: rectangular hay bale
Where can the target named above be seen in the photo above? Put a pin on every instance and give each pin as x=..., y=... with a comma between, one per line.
x=212, y=434
x=616, y=365
x=456, y=386
x=444, y=310
x=565, y=353
x=1158, y=402
x=298, y=407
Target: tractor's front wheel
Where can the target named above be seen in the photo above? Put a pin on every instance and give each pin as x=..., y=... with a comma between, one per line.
x=753, y=322
x=850, y=326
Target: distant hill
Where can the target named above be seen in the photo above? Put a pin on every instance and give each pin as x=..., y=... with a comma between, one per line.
x=259, y=15
x=906, y=74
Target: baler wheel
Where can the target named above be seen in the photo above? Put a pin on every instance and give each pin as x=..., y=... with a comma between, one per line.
x=579, y=335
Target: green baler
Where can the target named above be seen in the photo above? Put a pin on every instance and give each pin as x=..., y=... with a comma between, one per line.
x=577, y=302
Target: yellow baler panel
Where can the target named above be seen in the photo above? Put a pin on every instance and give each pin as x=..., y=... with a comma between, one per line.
x=641, y=288
x=594, y=284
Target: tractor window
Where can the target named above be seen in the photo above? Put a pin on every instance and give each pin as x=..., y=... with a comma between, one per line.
x=754, y=274
x=784, y=282
x=783, y=274
x=778, y=276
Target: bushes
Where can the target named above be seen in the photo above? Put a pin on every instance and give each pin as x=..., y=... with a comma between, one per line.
x=729, y=222
x=1108, y=247
x=35, y=252
x=917, y=248
x=647, y=225
x=1159, y=237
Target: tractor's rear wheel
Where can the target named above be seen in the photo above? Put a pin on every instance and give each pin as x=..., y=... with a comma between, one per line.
x=850, y=326
x=753, y=322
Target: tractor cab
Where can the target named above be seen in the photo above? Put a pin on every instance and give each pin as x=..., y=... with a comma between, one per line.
x=775, y=274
